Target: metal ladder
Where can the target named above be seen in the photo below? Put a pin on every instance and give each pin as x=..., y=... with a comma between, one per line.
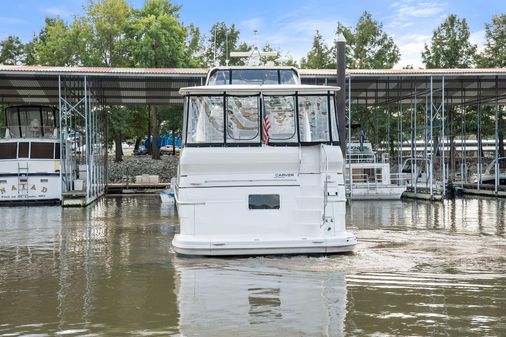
x=23, y=179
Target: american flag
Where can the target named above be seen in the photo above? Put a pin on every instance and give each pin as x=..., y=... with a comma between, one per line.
x=265, y=129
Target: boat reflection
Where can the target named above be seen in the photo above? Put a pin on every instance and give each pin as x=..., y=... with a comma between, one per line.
x=257, y=300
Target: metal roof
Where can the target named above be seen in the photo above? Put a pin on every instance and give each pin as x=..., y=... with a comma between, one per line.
x=40, y=85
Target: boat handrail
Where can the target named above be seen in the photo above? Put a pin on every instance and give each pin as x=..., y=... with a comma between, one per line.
x=178, y=202
x=325, y=186
x=13, y=131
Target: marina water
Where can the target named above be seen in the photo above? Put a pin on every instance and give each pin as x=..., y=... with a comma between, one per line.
x=419, y=269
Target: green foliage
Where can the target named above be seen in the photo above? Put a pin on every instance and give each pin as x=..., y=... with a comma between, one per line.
x=159, y=39
x=319, y=57
x=367, y=45
x=450, y=46
x=223, y=39
x=194, y=48
x=12, y=51
x=494, y=54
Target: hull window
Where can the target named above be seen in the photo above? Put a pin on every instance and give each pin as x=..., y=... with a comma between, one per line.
x=205, y=122
x=264, y=201
x=23, y=150
x=243, y=119
x=8, y=150
x=280, y=110
x=314, y=119
x=42, y=150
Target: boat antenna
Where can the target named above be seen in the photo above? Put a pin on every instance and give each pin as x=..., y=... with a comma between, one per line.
x=214, y=58
x=226, y=48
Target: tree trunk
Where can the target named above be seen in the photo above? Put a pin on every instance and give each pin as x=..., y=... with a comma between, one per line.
x=118, y=150
x=155, y=132
x=173, y=143
x=137, y=144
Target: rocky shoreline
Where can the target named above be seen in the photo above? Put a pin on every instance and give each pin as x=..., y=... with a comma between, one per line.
x=132, y=166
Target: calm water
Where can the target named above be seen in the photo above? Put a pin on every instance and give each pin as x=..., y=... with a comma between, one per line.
x=420, y=269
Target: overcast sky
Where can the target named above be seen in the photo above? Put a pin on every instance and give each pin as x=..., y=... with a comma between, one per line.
x=288, y=25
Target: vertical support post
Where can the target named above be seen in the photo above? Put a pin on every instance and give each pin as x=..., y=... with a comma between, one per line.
x=431, y=137
x=496, y=187
x=341, y=94
x=479, y=135
x=413, y=146
x=443, y=165
x=349, y=135
x=87, y=138
x=62, y=140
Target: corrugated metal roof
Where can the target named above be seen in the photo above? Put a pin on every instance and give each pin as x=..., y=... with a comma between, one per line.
x=35, y=84
x=199, y=72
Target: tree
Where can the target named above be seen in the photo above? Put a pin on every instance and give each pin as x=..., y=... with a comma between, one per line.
x=59, y=44
x=12, y=51
x=222, y=41
x=319, y=56
x=494, y=55
x=450, y=46
x=194, y=48
x=158, y=40
x=367, y=45
x=108, y=19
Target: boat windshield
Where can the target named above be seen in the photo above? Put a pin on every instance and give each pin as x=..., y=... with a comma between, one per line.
x=30, y=122
x=252, y=120
x=252, y=76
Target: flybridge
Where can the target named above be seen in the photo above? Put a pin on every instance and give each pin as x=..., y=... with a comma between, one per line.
x=254, y=75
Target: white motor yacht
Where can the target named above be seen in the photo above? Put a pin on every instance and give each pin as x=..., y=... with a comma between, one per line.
x=260, y=170
x=30, y=155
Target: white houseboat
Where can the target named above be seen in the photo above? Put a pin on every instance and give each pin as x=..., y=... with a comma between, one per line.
x=371, y=178
x=30, y=155
x=261, y=170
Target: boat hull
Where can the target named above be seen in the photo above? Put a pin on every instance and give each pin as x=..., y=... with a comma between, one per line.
x=382, y=192
x=189, y=245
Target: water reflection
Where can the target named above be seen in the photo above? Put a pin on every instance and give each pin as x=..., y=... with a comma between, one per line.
x=251, y=299
x=419, y=269
x=461, y=215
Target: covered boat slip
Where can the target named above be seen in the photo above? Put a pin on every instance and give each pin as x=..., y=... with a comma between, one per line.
x=83, y=95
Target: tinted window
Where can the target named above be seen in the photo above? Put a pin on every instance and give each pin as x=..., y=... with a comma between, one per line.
x=42, y=150
x=8, y=150
x=23, y=150
x=288, y=76
x=219, y=77
x=254, y=76
x=57, y=151
x=264, y=201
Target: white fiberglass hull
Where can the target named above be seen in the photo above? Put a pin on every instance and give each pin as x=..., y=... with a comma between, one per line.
x=385, y=192
x=269, y=202
x=190, y=245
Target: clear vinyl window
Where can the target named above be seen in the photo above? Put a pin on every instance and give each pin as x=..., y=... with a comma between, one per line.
x=280, y=111
x=243, y=119
x=314, y=119
x=205, y=119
